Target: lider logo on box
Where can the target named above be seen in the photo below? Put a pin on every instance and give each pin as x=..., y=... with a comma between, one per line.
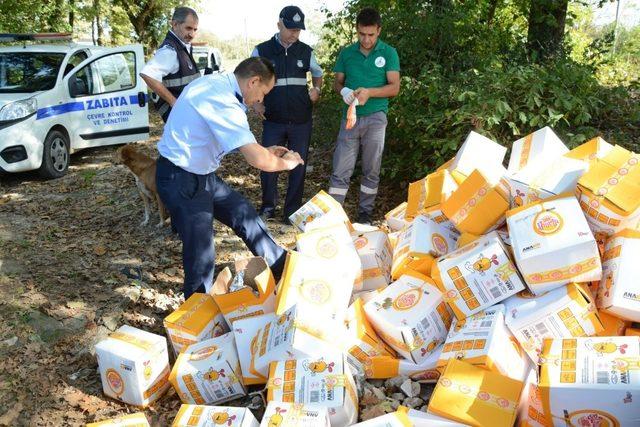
x=327, y=247
x=440, y=243
x=407, y=299
x=115, y=381
x=547, y=223
x=315, y=291
x=592, y=417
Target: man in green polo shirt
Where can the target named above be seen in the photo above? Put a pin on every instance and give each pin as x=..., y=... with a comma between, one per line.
x=367, y=72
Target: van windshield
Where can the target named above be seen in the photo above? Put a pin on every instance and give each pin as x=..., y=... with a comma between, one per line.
x=26, y=72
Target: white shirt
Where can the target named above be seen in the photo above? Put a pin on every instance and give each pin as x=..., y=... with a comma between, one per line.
x=164, y=61
x=207, y=122
x=314, y=67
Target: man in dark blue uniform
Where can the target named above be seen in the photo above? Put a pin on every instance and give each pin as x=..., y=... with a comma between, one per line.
x=287, y=108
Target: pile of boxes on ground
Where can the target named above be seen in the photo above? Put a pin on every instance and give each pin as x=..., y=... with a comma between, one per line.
x=514, y=290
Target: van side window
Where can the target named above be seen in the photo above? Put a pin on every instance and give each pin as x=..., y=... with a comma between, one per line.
x=75, y=59
x=110, y=73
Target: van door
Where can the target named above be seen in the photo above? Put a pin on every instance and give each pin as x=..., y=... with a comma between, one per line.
x=109, y=99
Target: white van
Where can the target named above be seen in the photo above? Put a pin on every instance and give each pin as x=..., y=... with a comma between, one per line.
x=209, y=59
x=58, y=99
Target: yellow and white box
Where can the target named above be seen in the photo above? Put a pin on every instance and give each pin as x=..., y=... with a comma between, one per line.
x=484, y=341
x=324, y=381
x=609, y=193
x=256, y=298
x=289, y=337
x=591, y=381
x=419, y=244
x=319, y=288
x=476, y=276
x=282, y=414
x=475, y=396
x=410, y=315
x=405, y=417
x=530, y=411
x=360, y=341
x=596, y=148
x=208, y=372
x=321, y=211
x=619, y=293
x=131, y=420
x=245, y=332
x=427, y=195
x=613, y=326
x=632, y=332
x=565, y=312
x=333, y=244
x=535, y=149
x=552, y=244
x=383, y=367
x=134, y=366
x=197, y=319
x=376, y=256
x=395, y=218
x=481, y=153
x=478, y=205
x=210, y=416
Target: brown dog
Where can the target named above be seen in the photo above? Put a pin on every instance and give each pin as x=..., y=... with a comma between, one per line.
x=143, y=168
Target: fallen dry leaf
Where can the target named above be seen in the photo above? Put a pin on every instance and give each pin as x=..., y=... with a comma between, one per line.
x=99, y=250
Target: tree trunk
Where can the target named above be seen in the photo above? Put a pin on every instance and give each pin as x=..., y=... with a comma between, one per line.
x=98, y=17
x=546, y=27
x=493, y=5
x=71, y=13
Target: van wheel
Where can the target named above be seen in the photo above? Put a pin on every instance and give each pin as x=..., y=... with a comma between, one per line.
x=55, y=156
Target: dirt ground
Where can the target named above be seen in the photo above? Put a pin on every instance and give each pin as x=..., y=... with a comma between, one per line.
x=75, y=265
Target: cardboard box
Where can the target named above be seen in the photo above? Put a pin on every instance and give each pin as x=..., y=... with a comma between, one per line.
x=591, y=381
x=478, y=205
x=325, y=381
x=475, y=396
x=205, y=416
x=484, y=341
x=197, y=319
x=405, y=417
x=476, y=276
x=137, y=419
x=256, y=298
x=480, y=153
x=609, y=193
x=419, y=244
x=565, y=312
x=426, y=196
x=535, y=149
x=319, y=289
x=208, y=372
x=321, y=211
x=383, y=367
x=410, y=315
x=612, y=326
x=376, y=256
x=245, y=332
x=133, y=365
x=530, y=410
x=333, y=244
x=282, y=414
x=289, y=336
x=596, y=148
x=396, y=217
x=466, y=238
x=619, y=293
x=632, y=332
x=360, y=340
x=552, y=244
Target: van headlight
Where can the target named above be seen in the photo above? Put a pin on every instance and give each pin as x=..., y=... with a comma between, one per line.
x=18, y=109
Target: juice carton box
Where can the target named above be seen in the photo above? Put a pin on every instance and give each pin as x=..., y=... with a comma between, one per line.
x=552, y=244
x=290, y=337
x=333, y=244
x=321, y=211
x=619, y=293
x=609, y=193
x=419, y=244
x=257, y=297
x=534, y=149
x=197, y=319
x=632, y=332
x=245, y=332
x=137, y=419
x=476, y=276
x=205, y=416
x=565, y=312
x=208, y=372
x=596, y=148
x=383, y=367
x=376, y=256
x=466, y=238
x=426, y=196
x=530, y=410
x=484, y=341
x=360, y=341
x=478, y=205
x=612, y=326
x=591, y=381
x=316, y=286
x=322, y=381
x=480, y=153
x=396, y=217
x=405, y=417
x=134, y=366
x=283, y=414
x=410, y=315
x=475, y=396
